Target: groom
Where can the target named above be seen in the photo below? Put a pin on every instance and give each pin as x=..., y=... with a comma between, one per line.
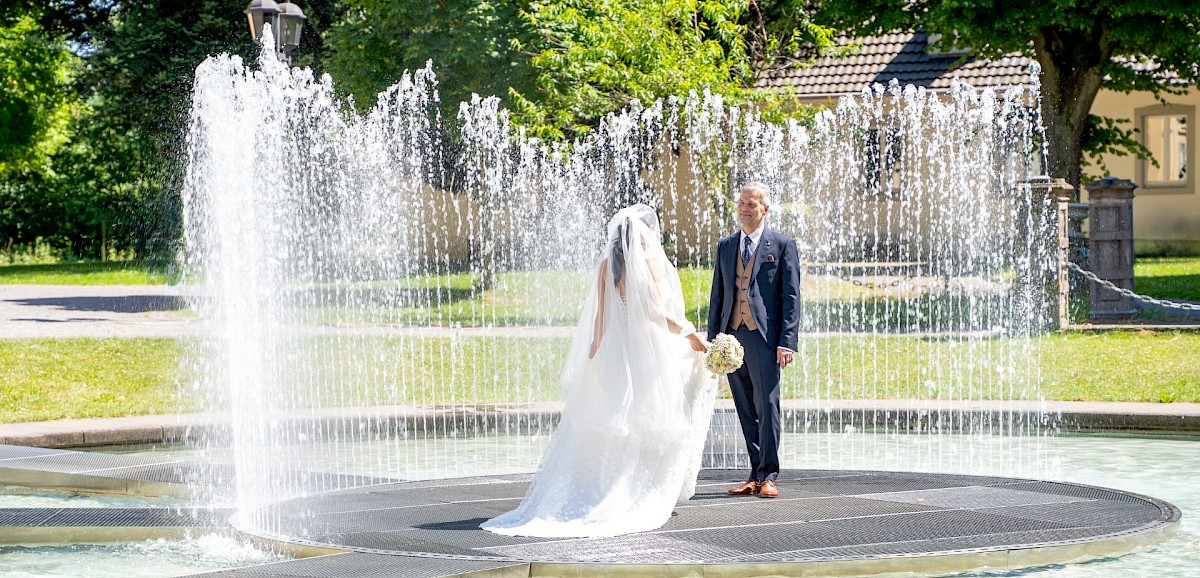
x=756, y=298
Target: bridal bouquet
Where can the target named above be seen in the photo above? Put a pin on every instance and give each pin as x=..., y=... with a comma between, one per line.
x=724, y=354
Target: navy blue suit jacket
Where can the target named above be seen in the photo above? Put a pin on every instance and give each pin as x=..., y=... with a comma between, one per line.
x=774, y=288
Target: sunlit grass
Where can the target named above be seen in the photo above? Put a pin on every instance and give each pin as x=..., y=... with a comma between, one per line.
x=83, y=273
x=1168, y=277
x=44, y=379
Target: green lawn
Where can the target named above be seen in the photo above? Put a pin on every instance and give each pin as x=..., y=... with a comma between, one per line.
x=83, y=273
x=1122, y=366
x=44, y=379
x=78, y=378
x=1168, y=277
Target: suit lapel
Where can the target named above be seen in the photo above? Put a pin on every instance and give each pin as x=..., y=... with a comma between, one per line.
x=764, y=247
x=729, y=260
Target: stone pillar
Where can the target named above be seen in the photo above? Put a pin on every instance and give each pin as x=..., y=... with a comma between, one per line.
x=1049, y=199
x=1063, y=276
x=1110, y=245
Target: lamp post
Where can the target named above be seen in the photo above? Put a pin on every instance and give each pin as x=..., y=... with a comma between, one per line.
x=286, y=20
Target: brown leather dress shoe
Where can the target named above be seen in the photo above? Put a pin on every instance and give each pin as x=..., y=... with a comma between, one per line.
x=747, y=489
x=768, y=490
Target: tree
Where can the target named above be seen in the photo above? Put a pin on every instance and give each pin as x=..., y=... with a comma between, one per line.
x=38, y=110
x=140, y=64
x=100, y=149
x=470, y=43
x=594, y=57
x=1121, y=45
x=562, y=65
x=35, y=95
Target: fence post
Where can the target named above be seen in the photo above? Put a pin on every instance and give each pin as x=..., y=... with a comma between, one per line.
x=1110, y=247
x=1049, y=202
x=1064, y=256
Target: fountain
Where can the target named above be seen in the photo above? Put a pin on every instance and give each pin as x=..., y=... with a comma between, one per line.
x=383, y=302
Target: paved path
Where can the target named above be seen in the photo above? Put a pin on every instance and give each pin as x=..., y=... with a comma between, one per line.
x=59, y=311
x=159, y=311
x=66, y=311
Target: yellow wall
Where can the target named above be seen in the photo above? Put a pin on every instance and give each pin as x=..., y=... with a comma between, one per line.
x=1162, y=217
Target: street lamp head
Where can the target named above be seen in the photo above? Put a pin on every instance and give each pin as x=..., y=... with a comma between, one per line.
x=259, y=12
x=290, y=22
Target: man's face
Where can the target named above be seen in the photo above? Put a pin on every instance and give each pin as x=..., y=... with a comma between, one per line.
x=751, y=209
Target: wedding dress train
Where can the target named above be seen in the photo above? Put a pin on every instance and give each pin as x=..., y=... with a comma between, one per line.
x=638, y=402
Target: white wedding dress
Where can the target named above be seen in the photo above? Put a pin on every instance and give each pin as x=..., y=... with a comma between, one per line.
x=631, y=437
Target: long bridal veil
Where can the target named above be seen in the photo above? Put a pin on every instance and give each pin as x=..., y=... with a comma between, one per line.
x=637, y=400
x=634, y=294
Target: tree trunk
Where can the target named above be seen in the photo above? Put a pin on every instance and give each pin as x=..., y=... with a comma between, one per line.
x=1070, y=79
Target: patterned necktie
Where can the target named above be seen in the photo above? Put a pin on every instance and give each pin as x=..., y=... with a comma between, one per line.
x=746, y=252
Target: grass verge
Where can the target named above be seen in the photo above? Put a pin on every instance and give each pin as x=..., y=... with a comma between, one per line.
x=79, y=378
x=1168, y=277
x=45, y=379
x=83, y=273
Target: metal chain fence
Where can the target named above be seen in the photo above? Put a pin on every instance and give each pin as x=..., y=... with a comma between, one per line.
x=1131, y=294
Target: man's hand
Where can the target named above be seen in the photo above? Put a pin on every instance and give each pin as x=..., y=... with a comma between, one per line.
x=697, y=342
x=784, y=356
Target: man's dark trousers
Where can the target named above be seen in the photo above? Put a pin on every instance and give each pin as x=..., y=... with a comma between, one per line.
x=755, y=388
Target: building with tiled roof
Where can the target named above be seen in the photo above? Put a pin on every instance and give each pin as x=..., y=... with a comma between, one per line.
x=902, y=56
x=1167, y=201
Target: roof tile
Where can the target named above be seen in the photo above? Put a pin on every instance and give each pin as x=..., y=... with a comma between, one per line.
x=879, y=59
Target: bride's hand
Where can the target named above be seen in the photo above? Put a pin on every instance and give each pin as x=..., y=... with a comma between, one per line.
x=593, y=348
x=698, y=344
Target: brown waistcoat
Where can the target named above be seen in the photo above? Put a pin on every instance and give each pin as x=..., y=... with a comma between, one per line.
x=741, y=306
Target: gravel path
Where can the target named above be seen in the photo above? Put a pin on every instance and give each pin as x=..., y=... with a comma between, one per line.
x=60, y=311
x=66, y=311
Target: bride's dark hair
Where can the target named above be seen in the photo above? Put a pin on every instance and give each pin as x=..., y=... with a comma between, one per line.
x=617, y=260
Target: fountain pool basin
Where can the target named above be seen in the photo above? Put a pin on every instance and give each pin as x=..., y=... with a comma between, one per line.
x=1156, y=466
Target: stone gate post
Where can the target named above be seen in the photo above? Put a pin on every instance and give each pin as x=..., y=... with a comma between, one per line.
x=1110, y=244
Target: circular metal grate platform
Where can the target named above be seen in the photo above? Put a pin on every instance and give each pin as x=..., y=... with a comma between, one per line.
x=860, y=521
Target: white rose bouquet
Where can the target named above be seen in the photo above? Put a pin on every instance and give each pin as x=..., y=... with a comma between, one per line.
x=724, y=354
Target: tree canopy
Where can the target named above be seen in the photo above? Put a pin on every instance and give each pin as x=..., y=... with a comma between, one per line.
x=1121, y=45
x=562, y=65
x=36, y=97
x=93, y=95
x=470, y=43
x=594, y=57
x=108, y=183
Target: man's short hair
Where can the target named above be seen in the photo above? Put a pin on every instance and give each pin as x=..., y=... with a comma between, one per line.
x=764, y=192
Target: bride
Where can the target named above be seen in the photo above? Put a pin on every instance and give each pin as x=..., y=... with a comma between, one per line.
x=638, y=401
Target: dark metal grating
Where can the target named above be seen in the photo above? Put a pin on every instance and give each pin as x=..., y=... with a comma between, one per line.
x=1011, y=540
x=21, y=517
x=430, y=528
x=821, y=515
x=1094, y=513
x=973, y=497
x=8, y=452
x=1075, y=490
x=629, y=549
x=767, y=540
x=135, y=517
